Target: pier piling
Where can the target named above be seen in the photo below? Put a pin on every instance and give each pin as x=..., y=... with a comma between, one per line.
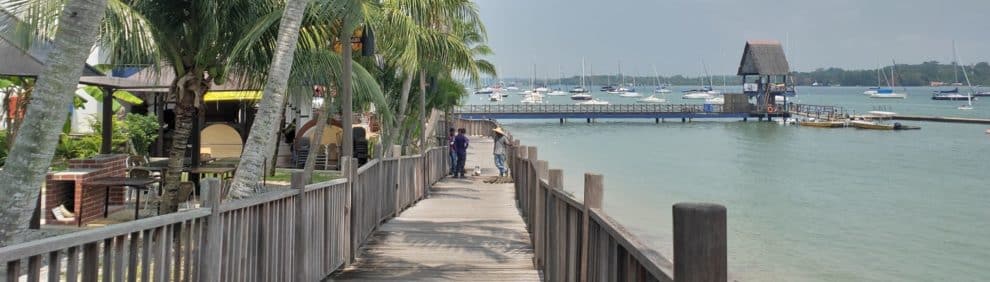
x=589, y=120
x=683, y=120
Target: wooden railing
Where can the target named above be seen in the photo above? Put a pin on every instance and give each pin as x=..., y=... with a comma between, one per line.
x=475, y=127
x=577, y=241
x=617, y=108
x=301, y=234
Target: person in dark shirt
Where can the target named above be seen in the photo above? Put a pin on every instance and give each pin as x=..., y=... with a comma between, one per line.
x=453, y=153
x=460, y=146
x=360, y=146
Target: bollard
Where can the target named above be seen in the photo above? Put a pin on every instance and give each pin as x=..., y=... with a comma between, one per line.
x=700, y=242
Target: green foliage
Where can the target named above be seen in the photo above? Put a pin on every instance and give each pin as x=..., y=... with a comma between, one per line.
x=3, y=148
x=119, y=95
x=143, y=130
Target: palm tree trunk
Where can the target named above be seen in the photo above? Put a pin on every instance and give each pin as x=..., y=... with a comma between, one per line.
x=34, y=147
x=403, y=106
x=422, y=110
x=185, y=114
x=250, y=170
x=322, y=119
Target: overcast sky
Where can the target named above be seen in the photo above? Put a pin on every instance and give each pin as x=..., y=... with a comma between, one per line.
x=676, y=35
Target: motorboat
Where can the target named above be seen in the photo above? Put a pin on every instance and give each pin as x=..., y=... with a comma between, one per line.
x=715, y=100
x=871, y=91
x=495, y=97
x=485, y=91
x=581, y=97
x=512, y=88
x=653, y=99
x=557, y=93
x=879, y=120
x=822, y=123
x=887, y=93
x=535, y=98
x=630, y=95
x=578, y=90
x=593, y=102
x=949, y=95
x=662, y=89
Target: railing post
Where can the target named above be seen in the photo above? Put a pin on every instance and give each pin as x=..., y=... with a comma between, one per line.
x=593, y=194
x=209, y=265
x=700, y=242
x=347, y=170
x=539, y=213
x=522, y=182
x=300, y=261
x=532, y=183
x=555, y=177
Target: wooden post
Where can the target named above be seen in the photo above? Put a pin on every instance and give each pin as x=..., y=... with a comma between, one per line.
x=700, y=242
x=300, y=271
x=593, y=193
x=348, y=172
x=540, y=205
x=209, y=266
x=532, y=182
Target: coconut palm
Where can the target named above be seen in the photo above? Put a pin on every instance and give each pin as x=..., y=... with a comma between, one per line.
x=24, y=171
x=206, y=43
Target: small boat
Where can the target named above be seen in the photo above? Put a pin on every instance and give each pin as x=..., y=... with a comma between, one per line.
x=949, y=95
x=715, y=100
x=887, y=93
x=822, y=123
x=630, y=95
x=581, y=97
x=578, y=90
x=534, y=98
x=512, y=88
x=607, y=88
x=662, y=89
x=652, y=100
x=982, y=94
x=879, y=121
x=495, y=97
x=485, y=91
x=871, y=91
x=593, y=102
x=557, y=93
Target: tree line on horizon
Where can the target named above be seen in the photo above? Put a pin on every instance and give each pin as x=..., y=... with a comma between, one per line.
x=923, y=74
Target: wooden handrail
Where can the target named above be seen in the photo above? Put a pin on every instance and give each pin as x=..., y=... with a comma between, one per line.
x=239, y=240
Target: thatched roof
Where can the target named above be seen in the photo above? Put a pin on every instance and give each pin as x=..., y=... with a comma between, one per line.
x=763, y=57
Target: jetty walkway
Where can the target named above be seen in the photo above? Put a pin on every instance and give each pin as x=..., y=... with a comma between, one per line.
x=392, y=219
x=466, y=230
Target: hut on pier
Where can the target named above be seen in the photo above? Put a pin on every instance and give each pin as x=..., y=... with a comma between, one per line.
x=764, y=71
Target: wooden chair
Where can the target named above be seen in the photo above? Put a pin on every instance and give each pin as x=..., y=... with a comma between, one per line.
x=186, y=189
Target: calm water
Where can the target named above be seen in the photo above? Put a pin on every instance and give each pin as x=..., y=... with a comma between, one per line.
x=805, y=204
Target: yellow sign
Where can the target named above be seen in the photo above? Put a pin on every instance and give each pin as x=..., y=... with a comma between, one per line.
x=222, y=96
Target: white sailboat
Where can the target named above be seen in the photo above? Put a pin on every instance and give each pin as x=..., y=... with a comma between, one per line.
x=969, y=97
x=580, y=92
x=593, y=102
x=705, y=92
x=622, y=78
x=889, y=93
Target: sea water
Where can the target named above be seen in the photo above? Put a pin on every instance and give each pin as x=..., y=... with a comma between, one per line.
x=804, y=204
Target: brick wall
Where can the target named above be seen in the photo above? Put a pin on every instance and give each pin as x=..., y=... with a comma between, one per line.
x=70, y=187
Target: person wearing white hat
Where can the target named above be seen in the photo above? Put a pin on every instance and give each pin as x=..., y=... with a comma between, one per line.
x=501, y=143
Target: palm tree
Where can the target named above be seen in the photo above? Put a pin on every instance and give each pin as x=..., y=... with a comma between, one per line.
x=206, y=43
x=25, y=169
x=270, y=108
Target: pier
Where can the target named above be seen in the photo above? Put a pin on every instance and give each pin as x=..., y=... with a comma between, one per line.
x=589, y=113
x=393, y=219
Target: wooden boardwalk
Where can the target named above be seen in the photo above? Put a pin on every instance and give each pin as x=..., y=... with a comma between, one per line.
x=465, y=231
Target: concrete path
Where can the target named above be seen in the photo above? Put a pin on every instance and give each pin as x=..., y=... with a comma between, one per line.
x=465, y=231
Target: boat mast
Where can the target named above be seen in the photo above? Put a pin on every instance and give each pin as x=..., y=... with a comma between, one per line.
x=582, y=73
x=955, y=63
x=969, y=97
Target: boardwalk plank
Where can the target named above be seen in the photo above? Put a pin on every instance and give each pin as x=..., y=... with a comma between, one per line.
x=466, y=231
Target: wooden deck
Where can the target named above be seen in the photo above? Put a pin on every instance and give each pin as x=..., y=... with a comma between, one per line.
x=465, y=230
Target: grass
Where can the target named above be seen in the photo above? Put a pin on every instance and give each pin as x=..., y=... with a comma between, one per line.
x=285, y=175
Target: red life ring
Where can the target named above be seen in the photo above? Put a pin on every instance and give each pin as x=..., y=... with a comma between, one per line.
x=771, y=109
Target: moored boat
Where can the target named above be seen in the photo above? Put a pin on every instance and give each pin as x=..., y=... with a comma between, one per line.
x=822, y=123
x=653, y=99
x=594, y=102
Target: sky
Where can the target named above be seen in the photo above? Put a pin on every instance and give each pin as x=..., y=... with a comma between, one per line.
x=677, y=36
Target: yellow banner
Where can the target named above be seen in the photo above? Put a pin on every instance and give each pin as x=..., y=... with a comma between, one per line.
x=222, y=96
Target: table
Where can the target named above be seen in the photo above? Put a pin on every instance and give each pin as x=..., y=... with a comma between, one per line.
x=129, y=182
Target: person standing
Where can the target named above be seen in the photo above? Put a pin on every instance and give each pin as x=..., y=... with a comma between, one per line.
x=460, y=146
x=501, y=143
x=453, y=152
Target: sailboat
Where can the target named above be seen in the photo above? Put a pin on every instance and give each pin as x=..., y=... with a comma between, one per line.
x=661, y=88
x=888, y=92
x=705, y=92
x=631, y=91
x=622, y=78
x=560, y=82
x=969, y=97
x=580, y=92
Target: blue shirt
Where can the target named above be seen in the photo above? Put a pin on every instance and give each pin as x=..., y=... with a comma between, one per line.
x=460, y=144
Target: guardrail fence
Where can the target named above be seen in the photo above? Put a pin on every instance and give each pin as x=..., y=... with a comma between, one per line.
x=301, y=234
